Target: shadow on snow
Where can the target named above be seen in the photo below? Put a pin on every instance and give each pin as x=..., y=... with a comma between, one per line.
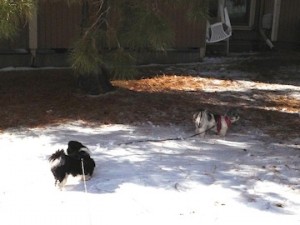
x=239, y=163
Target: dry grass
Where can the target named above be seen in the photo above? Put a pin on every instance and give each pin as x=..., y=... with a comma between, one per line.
x=42, y=97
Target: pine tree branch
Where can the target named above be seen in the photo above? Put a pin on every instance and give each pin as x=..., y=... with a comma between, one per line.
x=98, y=21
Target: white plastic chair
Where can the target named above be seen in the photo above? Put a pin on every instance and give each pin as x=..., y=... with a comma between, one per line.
x=219, y=31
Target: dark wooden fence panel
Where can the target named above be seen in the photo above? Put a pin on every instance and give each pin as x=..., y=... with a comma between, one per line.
x=58, y=24
x=188, y=34
x=289, y=24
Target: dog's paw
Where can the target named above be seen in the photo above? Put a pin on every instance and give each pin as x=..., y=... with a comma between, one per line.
x=86, y=177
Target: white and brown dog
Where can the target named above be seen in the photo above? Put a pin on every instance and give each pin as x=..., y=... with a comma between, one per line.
x=205, y=121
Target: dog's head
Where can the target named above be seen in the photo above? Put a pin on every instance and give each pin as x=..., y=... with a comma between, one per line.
x=75, y=147
x=197, y=117
x=199, y=114
x=233, y=116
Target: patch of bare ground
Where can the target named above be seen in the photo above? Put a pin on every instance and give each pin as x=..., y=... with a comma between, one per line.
x=41, y=97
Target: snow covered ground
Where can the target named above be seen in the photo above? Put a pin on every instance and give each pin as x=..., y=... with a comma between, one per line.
x=245, y=178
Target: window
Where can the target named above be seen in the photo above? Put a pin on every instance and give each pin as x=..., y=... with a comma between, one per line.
x=241, y=13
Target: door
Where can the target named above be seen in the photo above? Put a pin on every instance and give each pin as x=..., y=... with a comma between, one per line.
x=241, y=13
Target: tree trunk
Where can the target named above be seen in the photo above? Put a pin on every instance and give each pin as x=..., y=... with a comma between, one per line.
x=104, y=80
x=95, y=83
x=98, y=82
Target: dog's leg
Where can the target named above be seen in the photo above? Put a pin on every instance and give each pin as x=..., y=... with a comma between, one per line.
x=204, y=126
x=224, y=127
x=62, y=183
x=201, y=131
x=86, y=177
x=223, y=132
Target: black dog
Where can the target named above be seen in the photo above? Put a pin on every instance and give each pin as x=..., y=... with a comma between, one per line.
x=76, y=162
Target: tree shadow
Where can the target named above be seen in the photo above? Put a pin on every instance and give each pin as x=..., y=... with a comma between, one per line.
x=42, y=97
x=273, y=67
x=242, y=163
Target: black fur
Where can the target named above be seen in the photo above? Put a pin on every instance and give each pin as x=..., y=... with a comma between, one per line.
x=63, y=164
x=76, y=149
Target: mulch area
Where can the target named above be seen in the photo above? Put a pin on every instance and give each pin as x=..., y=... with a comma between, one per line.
x=38, y=98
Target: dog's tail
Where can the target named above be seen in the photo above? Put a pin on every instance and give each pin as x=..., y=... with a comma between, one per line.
x=57, y=158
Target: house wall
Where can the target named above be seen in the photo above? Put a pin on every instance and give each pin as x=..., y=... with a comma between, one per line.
x=288, y=28
x=268, y=6
x=58, y=24
x=18, y=42
x=289, y=20
x=188, y=34
x=14, y=52
x=289, y=23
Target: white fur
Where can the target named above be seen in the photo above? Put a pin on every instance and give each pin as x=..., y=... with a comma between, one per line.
x=86, y=177
x=62, y=184
x=56, y=162
x=202, y=123
x=224, y=127
x=85, y=149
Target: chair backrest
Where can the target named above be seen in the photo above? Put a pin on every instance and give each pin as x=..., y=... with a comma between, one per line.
x=221, y=30
x=227, y=20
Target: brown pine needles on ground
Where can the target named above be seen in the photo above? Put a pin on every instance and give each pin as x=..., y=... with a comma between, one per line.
x=37, y=98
